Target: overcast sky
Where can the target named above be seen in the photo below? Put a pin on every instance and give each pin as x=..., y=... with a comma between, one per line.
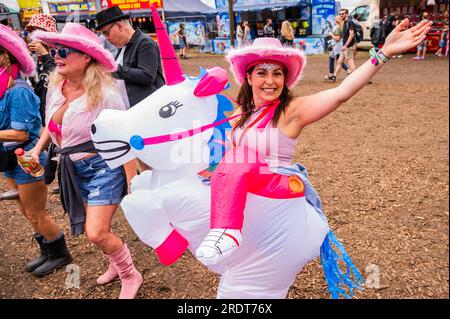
x=348, y=3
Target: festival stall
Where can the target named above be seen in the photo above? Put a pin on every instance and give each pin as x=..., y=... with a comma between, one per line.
x=438, y=13
x=371, y=11
x=192, y=13
x=9, y=13
x=196, y=17
x=80, y=11
x=310, y=19
x=139, y=11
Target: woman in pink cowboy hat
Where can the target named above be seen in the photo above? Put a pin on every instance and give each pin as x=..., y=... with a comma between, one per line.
x=80, y=88
x=20, y=124
x=272, y=119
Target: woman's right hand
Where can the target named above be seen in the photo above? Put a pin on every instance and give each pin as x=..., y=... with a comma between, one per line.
x=35, y=153
x=403, y=38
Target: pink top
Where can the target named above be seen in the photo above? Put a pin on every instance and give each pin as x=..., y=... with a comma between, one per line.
x=77, y=120
x=276, y=146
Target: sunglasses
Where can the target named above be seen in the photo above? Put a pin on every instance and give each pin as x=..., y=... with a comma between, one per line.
x=63, y=52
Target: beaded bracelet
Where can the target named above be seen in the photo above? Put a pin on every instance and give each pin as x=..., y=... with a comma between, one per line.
x=374, y=56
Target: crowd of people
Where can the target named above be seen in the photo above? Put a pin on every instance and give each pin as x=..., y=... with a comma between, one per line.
x=54, y=88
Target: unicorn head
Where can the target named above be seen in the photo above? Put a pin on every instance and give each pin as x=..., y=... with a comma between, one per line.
x=173, y=126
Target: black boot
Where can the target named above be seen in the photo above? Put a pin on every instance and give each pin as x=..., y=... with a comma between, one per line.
x=58, y=256
x=32, y=265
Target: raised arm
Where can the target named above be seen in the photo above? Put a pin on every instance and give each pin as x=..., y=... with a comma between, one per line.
x=309, y=109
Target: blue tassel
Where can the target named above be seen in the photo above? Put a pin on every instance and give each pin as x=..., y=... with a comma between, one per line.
x=202, y=72
x=336, y=279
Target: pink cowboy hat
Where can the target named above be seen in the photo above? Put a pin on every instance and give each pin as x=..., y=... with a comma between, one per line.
x=42, y=21
x=14, y=44
x=76, y=36
x=265, y=50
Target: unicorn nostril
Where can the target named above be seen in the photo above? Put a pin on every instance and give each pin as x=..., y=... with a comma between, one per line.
x=93, y=129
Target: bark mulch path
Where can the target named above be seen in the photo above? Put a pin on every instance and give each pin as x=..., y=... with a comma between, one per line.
x=380, y=164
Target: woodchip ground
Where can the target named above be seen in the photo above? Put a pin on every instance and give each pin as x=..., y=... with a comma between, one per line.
x=379, y=163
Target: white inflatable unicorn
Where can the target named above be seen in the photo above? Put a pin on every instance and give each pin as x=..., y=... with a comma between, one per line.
x=178, y=131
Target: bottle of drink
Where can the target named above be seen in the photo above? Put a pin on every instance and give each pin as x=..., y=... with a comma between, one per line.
x=28, y=164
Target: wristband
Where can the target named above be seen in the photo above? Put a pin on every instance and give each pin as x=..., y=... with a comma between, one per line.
x=382, y=56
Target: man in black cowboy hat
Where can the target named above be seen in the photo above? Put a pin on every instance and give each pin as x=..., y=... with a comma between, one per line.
x=139, y=64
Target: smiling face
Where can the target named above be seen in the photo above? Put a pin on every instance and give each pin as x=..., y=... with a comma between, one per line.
x=73, y=64
x=267, y=82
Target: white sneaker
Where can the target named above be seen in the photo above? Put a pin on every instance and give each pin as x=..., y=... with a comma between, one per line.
x=218, y=244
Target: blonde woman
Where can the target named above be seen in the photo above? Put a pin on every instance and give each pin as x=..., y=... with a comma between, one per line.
x=247, y=34
x=239, y=35
x=80, y=88
x=287, y=34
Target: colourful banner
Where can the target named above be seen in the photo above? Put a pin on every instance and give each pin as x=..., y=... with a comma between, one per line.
x=195, y=32
x=127, y=5
x=221, y=46
x=323, y=13
x=82, y=7
x=310, y=45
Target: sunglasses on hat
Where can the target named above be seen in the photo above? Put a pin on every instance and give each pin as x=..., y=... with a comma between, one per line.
x=63, y=52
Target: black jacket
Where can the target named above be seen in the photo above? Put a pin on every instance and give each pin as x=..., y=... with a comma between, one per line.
x=141, y=69
x=45, y=66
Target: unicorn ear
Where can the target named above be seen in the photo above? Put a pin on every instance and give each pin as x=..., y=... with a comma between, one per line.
x=213, y=82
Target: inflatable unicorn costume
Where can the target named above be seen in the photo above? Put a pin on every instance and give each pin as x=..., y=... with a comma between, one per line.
x=179, y=130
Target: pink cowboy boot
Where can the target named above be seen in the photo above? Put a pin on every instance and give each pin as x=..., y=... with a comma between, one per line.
x=109, y=275
x=131, y=278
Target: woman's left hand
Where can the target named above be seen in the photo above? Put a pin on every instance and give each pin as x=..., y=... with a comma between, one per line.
x=402, y=39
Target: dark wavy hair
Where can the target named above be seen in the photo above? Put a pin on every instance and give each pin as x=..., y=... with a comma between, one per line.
x=247, y=105
x=8, y=59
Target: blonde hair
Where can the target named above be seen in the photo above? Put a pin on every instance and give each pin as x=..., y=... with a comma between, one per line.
x=339, y=21
x=95, y=78
x=287, y=31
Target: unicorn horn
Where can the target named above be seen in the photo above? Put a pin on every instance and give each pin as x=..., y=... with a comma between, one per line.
x=171, y=65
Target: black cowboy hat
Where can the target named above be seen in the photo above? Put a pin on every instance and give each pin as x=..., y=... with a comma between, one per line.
x=109, y=15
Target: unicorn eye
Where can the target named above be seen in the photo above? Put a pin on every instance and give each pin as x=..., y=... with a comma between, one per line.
x=169, y=110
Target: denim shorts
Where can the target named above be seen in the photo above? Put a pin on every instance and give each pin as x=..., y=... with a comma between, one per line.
x=182, y=43
x=422, y=45
x=99, y=185
x=20, y=176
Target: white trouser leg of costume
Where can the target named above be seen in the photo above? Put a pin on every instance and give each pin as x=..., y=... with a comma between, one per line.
x=144, y=213
x=141, y=181
x=279, y=238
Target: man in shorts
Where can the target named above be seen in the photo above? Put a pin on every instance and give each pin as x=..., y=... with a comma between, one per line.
x=349, y=47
